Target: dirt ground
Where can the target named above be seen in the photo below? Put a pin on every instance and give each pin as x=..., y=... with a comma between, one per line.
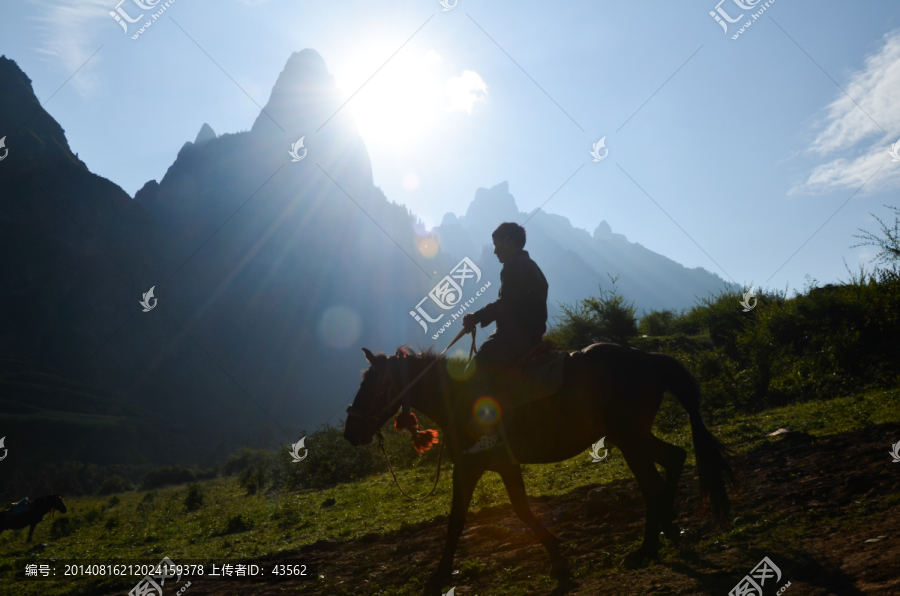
x=815, y=507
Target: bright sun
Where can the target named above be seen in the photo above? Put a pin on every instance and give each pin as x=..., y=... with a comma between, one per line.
x=405, y=99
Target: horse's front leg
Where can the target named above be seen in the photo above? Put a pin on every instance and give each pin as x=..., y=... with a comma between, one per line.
x=515, y=487
x=465, y=477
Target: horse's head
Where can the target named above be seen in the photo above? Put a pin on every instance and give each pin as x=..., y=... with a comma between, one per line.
x=56, y=502
x=367, y=412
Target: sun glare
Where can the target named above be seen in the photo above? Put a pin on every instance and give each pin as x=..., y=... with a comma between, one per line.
x=401, y=104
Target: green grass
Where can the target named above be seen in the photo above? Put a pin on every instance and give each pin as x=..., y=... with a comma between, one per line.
x=145, y=525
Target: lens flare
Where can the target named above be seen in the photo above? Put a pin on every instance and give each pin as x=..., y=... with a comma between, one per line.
x=459, y=368
x=427, y=246
x=340, y=326
x=487, y=411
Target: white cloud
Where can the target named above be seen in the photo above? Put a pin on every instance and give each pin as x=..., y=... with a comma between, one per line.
x=852, y=129
x=68, y=32
x=463, y=91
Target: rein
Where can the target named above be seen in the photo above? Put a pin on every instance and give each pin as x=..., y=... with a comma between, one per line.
x=393, y=404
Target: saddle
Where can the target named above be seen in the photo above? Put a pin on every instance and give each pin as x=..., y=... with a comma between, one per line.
x=19, y=508
x=540, y=374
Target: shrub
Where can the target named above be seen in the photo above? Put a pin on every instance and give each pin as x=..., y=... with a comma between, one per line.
x=62, y=527
x=237, y=524
x=194, y=499
x=248, y=458
x=658, y=322
x=253, y=479
x=596, y=319
x=147, y=502
x=167, y=475
x=115, y=484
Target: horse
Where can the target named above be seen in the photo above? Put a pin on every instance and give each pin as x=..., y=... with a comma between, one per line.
x=34, y=515
x=608, y=390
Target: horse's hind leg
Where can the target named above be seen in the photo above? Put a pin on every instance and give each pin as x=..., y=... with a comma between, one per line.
x=31, y=532
x=638, y=456
x=515, y=487
x=671, y=458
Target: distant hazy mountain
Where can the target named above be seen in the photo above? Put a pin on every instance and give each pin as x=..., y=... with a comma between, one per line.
x=574, y=261
x=269, y=274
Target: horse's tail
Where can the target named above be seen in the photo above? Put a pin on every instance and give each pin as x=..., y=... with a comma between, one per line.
x=713, y=468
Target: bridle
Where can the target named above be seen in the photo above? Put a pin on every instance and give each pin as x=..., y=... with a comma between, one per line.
x=370, y=421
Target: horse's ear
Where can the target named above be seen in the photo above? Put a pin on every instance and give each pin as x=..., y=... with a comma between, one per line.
x=369, y=355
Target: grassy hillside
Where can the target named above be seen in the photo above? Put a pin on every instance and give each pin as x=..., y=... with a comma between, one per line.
x=232, y=523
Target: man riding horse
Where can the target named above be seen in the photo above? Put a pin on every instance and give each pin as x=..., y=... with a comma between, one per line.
x=520, y=312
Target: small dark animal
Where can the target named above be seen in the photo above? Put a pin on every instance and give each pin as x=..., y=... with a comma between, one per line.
x=32, y=516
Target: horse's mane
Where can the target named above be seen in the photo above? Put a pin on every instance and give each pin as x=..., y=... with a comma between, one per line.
x=416, y=358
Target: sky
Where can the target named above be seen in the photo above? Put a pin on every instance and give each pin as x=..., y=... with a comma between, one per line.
x=756, y=154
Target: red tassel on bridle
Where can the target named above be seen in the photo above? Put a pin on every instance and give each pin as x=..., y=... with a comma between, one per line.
x=423, y=440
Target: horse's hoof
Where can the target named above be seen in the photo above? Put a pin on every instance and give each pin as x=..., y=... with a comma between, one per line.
x=634, y=560
x=433, y=584
x=672, y=533
x=559, y=567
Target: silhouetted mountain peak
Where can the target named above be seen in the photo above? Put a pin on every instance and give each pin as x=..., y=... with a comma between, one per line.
x=303, y=88
x=205, y=135
x=490, y=207
x=42, y=136
x=603, y=230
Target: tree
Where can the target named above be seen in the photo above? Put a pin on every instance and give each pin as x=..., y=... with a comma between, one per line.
x=607, y=317
x=658, y=322
x=889, y=244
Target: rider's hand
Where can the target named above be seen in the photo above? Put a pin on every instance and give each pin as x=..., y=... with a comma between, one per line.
x=469, y=323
